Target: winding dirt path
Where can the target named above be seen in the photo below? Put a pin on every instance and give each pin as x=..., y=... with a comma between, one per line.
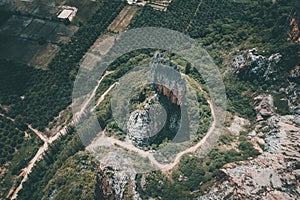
x=47, y=141
x=165, y=168
x=41, y=135
x=38, y=156
x=87, y=101
x=103, y=96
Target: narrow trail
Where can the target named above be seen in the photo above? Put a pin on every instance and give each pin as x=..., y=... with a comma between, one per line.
x=194, y=148
x=165, y=168
x=9, y=118
x=87, y=101
x=47, y=141
x=38, y=156
x=103, y=96
x=41, y=135
x=191, y=20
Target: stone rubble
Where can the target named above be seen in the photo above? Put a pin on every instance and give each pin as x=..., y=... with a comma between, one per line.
x=252, y=66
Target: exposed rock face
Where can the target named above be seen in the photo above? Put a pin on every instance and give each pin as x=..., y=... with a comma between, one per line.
x=272, y=175
x=144, y=124
x=120, y=172
x=294, y=35
x=252, y=66
x=104, y=188
x=297, y=120
x=238, y=125
x=293, y=95
x=265, y=107
x=167, y=79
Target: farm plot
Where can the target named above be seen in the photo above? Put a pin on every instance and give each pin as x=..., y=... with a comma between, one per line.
x=123, y=19
x=35, y=29
x=15, y=25
x=18, y=49
x=32, y=41
x=39, y=8
x=86, y=8
x=62, y=33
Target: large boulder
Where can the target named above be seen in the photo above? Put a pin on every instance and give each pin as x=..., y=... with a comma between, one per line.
x=144, y=124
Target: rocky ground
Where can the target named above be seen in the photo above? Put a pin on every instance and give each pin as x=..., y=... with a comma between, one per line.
x=274, y=174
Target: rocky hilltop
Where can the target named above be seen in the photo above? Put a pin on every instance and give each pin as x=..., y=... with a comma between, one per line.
x=250, y=65
x=275, y=173
x=144, y=124
x=159, y=112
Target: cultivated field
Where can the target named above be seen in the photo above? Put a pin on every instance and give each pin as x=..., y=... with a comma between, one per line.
x=32, y=41
x=123, y=19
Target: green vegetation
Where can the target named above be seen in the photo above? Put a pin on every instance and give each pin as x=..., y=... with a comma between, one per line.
x=225, y=26
x=50, y=90
x=128, y=62
x=226, y=139
x=239, y=97
x=178, y=16
x=77, y=176
x=281, y=103
x=15, y=81
x=45, y=170
x=194, y=175
x=120, y=67
x=35, y=97
x=220, y=26
x=4, y=16
x=11, y=139
x=16, y=150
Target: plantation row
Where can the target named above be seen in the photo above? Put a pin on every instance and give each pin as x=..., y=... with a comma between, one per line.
x=177, y=17
x=11, y=139
x=50, y=91
x=16, y=149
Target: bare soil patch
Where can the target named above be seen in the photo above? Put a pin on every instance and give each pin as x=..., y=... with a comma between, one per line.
x=123, y=19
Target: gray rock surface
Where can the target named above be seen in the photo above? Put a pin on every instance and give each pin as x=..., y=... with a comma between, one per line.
x=251, y=65
x=144, y=124
x=297, y=120
x=264, y=106
x=272, y=175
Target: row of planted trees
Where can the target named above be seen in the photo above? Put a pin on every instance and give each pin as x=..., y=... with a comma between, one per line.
x=48, y=92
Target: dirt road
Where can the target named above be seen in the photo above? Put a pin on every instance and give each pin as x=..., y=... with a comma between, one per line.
x=165, y=168
x=40, y=153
